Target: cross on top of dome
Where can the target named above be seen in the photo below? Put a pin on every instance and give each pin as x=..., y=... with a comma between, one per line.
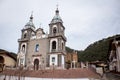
x=30, y=23
x=57, y=17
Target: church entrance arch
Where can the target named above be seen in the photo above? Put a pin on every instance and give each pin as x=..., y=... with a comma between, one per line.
x=36, y=64
x=1, y=63
x=1, y=60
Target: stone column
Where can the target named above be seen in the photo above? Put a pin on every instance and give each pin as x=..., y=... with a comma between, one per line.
x=74, y=64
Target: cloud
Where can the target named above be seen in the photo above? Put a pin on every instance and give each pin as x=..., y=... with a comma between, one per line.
x=86, y=21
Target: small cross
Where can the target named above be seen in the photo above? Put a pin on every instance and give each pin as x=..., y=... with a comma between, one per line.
x=57, y=6
x=31, y=17
x=40, y=25
x=31, y=13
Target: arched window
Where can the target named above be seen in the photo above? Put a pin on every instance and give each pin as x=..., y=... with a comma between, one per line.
x=54, y=30
x=25, y=35
x=37, y=48
x=23, y=48
x=54, y=45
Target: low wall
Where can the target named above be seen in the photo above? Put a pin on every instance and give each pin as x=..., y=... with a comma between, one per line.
x=2, y=77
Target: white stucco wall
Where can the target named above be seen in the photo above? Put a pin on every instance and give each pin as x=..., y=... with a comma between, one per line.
x=118, y=50
x=33, y=78
x=28, y=78
x=56, y=59
x=118, y=58
x=63, y=60
x=21, y=56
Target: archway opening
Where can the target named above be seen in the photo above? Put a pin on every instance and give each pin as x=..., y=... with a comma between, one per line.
x=53, y=45
x=1, y=63
x=1, y=60
x=36, y=64
x=23, y=48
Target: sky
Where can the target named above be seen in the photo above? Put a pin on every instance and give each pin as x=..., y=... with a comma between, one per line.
x=85, y=21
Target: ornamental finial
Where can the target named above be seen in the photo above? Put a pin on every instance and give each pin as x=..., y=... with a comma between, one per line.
x=57, y=6
x=57, y=11
x=31, y=17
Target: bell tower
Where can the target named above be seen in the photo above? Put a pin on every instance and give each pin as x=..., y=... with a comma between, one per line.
x=57, y=42
x=27, y=32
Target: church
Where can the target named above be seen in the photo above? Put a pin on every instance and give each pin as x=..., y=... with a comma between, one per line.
x=38, y=50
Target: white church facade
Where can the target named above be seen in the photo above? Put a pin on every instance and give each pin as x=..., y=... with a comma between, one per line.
x=38, y=49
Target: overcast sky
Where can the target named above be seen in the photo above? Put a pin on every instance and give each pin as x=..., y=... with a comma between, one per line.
x=86, y=21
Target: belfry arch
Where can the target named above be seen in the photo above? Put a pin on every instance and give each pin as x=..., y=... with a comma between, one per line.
x=53, y=45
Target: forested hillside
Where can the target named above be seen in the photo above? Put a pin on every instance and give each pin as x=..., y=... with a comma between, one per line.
x=97, y=51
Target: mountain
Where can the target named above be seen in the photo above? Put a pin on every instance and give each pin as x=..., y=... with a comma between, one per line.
x=98, y=51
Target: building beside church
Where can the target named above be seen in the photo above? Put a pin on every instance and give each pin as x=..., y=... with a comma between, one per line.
x=114, y=55
x=38, y=49
x=7, y=59
x=72, y=60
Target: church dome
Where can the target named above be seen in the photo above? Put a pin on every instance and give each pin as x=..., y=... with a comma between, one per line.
x=30, y=23
x=56, y=18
